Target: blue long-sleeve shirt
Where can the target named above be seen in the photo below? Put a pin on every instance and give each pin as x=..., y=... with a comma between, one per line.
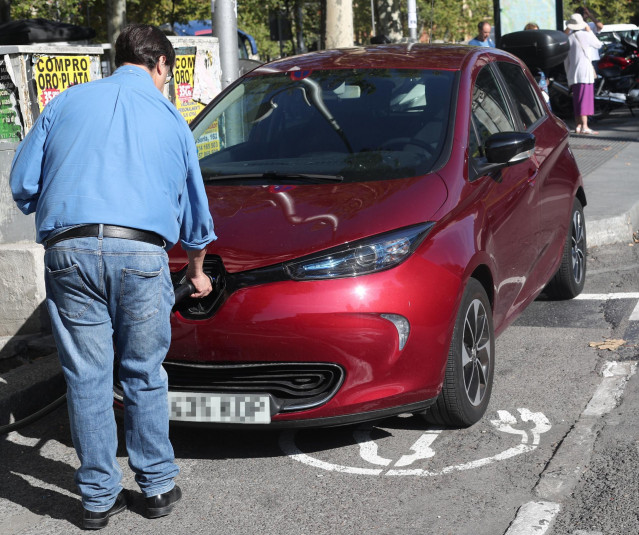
x=113, y=151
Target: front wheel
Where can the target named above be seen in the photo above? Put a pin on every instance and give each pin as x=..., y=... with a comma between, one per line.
x=569, y=280
x=471, y=363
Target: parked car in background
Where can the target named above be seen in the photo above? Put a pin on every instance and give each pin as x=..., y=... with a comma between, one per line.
x=611, y=33
x=383, y=214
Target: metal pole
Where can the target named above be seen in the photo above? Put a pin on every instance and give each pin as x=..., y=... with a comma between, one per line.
x=225, y=29
x=373, y=17
x=412, y=20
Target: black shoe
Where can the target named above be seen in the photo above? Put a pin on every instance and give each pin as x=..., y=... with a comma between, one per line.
x=95, y=520
x=162, y=504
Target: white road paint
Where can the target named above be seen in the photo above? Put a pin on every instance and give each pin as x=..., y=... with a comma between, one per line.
x=607, y=297
x=634, y=316
x=422, y=449
x=610, y=390
x=534, y=517
x=564, y=470
x=368, y=447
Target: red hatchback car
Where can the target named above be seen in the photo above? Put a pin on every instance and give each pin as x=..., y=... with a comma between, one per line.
x=383, y=214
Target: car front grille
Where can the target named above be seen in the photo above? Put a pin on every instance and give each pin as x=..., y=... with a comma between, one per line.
x=292, y=386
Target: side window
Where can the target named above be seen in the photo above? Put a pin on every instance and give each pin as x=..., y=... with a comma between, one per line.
x=489, y=112
x=526, y=100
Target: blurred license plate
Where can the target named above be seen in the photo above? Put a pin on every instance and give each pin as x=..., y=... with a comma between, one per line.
x=223, y=408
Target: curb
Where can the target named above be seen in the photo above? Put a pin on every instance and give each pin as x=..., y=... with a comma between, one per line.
x=618, y=229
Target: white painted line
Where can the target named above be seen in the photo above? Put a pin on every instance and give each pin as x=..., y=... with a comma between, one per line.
x=534, y=517
x=606, y=297
x=635, y=314
x=422, y=449
x=287, y=445
x=570, y=460
x=610, y=390
x=368, y=448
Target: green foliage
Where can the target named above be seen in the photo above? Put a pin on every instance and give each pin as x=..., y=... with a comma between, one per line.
x=450, y=20
x=453, y=21
x=607, y=11
x=61, y=10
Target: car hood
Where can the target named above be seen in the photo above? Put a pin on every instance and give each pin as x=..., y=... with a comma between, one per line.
x=259, y=226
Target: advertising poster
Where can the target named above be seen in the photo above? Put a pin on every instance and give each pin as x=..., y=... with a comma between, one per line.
x=515, y=14
x=54, y=74
x=183, y=79
x=10, y=127
x=208, y=142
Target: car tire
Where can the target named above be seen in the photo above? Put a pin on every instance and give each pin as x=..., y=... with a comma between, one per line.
x=569, y=280
x=471, y=363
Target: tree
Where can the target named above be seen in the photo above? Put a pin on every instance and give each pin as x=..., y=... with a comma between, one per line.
x=607, y=11
x=339, y=23
x=389, y=19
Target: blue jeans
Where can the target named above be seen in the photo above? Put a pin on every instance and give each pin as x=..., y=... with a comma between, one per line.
x=105, y=294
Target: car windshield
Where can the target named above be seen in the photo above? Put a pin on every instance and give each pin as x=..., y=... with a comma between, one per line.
x=347, y=125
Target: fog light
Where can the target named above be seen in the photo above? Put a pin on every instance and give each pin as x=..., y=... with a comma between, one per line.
x=402, y=326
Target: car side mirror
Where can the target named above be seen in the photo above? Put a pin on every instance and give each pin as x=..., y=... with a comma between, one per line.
x=505, y=149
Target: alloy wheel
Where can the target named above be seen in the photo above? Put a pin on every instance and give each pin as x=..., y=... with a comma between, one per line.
x=578, y=247
x=476, y=352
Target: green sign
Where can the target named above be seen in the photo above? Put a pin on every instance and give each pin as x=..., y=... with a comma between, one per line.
x=10, y=127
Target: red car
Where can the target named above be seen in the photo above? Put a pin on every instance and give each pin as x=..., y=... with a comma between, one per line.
x=383, y=214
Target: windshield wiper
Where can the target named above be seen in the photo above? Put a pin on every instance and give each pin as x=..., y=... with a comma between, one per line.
x=273, y=176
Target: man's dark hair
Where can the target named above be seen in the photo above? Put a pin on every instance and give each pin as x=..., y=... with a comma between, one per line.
x=143, y=44
x=480, y=25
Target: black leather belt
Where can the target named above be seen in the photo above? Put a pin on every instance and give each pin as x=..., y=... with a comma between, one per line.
x=109, y=231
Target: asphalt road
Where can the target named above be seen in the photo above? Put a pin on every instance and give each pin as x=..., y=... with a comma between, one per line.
x=399, y=476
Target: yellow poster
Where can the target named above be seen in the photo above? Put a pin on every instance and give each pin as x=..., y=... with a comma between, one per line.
x=209, y=141
x=54, y=74
x=183, y=75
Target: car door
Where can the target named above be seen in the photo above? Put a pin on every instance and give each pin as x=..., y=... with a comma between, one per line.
x=511, y=201
x=552, y=186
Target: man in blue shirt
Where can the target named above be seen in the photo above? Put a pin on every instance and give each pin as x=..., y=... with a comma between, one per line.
x=483, y=37
x=111, y=170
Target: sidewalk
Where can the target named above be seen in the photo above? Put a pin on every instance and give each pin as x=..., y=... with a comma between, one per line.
x=609, y=163
x=30, y=375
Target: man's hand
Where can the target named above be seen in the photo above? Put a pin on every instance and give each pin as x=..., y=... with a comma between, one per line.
x=202, y=283
x=195, y=274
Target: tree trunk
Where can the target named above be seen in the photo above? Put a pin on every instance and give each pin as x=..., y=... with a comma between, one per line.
x=299, y=25
x=339, y=23
x=116, y=21
x=5, y=10
x=390, y=21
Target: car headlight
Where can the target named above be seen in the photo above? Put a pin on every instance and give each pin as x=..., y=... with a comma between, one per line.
x=378, y=253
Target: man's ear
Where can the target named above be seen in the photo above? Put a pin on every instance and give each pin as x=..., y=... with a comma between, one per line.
x=160, y=64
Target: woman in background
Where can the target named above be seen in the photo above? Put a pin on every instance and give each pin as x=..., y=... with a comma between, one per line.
x=580, y=72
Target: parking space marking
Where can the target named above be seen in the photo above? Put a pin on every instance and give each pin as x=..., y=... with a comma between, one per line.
x=533, y=517
x=634, y=316
x=607, y=297
x=422, y=448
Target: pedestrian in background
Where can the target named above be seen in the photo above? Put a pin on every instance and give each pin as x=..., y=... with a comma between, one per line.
x=596, y=26
x=580, y=72
x=531, y=26
x=111, y=171
x=483, y=35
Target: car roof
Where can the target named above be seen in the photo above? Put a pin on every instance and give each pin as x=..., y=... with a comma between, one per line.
x=618, y=27
x=398, y=56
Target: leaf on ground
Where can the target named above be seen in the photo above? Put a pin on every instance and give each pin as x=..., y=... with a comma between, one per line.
x=610, y=345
